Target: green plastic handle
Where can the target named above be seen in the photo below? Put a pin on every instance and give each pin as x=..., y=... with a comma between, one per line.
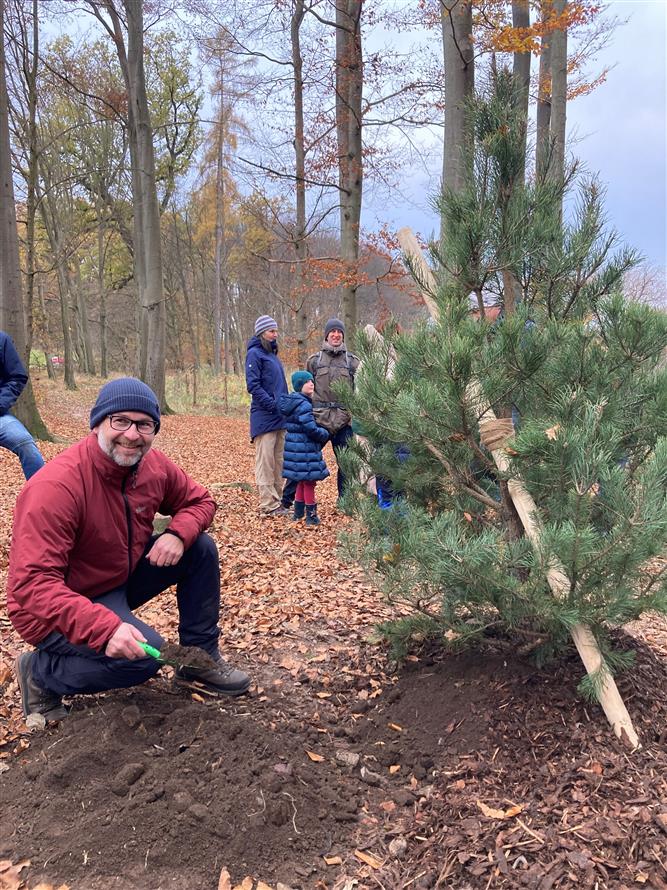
x=151, y=650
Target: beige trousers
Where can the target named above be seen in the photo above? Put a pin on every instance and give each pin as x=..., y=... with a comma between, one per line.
x=269, y=469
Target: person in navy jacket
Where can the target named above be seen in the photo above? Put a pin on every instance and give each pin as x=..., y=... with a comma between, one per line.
x=303, y=462
x=13, y=435
x=266, y=383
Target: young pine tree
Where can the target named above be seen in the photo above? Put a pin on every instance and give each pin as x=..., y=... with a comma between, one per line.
x=571, y=365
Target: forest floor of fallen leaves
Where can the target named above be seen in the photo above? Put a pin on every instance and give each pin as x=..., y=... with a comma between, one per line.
x=341, y=770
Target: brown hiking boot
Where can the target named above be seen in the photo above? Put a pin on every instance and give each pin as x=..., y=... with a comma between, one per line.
x=34, y=699
x=223, y=680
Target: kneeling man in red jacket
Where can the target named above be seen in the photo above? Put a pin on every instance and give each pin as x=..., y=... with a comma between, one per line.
x=84, y=557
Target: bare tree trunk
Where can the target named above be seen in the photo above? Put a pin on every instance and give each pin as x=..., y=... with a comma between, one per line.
x=543, y=122
x=12, y=312
x=152, y=304
x=88, y=356
x=146, y=227
x=52, y=228
x=219, y=232
x=457, y=46
x=303, y=307
x=558, y=96
x=349, y=87
x=104, y=368
x=187, y=299
x=521, y=72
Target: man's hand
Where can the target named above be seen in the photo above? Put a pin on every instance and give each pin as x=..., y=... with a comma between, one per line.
x=166, y=551
x=123, y=643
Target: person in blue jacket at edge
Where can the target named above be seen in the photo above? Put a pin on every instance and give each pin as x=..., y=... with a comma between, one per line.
x=266, y=383
x=13, y=435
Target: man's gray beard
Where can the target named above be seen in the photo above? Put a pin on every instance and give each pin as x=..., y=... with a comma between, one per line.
x=108, y=449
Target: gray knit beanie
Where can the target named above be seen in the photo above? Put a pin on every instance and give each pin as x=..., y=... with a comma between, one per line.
x=334, y=324
x=125, y=394
x=265, y=323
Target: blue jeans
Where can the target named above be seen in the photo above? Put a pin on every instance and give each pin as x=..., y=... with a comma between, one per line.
x=15, y=437
x=66, y=669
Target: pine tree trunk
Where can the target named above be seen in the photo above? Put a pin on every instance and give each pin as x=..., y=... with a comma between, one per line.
x=349, y=87
x=457, y=46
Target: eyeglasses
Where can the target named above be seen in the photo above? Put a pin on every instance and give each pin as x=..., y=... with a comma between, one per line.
x=120, y=423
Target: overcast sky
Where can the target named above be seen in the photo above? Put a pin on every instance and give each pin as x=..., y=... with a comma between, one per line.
x=617, y=130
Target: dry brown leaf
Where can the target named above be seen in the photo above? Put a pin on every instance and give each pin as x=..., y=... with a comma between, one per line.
x=552, y=432
x=394, y=769
x=262, y=886
x=368, y=859
x=388, y=806
x=490, y=812
x=467, y=517
x=316, y=758
x=10, y=874
x=333, y=860
x=324, y=694
x=396, y=727
x=5, y=673
x=197, y=697
x=513, y=811
x=246, y=884
x=459, y=785
x=225, y=880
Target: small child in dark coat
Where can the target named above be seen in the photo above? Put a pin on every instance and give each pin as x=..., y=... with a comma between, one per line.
x=302, y=458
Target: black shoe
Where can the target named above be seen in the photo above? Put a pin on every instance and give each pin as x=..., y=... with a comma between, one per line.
x=34, y=699
x=223, y=680
x=311, y=515
x=299, y=510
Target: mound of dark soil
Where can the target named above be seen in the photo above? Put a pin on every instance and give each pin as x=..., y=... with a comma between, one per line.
x=468, y=771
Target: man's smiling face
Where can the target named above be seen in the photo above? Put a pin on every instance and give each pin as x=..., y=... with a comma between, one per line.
x=125, y=447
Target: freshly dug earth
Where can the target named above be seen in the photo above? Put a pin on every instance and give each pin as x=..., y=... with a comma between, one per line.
x=475, y=769
x=188, y=656
x=341, y=770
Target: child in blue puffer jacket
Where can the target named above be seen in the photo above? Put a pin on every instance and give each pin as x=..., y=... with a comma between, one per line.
x=302, y=459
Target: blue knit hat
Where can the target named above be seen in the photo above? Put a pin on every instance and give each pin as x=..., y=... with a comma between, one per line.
x=299, y=378
x=334, y=324
x=125, y=394
x=265, y=323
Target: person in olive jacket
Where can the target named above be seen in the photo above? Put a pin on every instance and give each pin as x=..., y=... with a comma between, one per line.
x=266, y=383
x=334, y=362
x=303, y=463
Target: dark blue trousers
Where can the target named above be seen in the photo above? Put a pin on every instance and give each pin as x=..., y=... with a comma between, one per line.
x=65, y=669
x=339, y=442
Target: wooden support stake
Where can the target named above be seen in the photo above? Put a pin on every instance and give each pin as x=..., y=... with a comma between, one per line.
x=589, y=651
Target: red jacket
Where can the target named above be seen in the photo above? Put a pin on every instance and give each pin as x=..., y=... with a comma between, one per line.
x=81, y=525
